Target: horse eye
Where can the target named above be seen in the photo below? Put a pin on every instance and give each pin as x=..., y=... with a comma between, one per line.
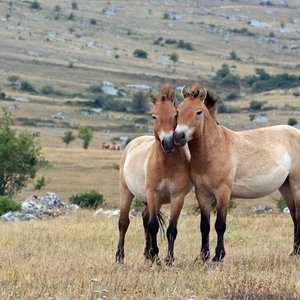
x=176, y=114
x=198, y=113
x=154, y=117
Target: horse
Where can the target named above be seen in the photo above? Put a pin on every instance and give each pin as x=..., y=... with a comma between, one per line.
x=154, y=171
x=246, y=164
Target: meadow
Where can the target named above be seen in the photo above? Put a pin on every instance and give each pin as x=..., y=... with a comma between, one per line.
x=71, y=50
x=72, y=257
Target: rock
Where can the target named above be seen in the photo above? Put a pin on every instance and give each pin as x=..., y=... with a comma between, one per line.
x=259, y=24
x=139, y=86
x=36, y=208
x=262, y=209
x=107, y=213
x=20, y=99
x=286, y=210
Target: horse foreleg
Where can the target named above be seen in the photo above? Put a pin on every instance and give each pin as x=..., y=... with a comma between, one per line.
x=153, y=230
x=125, y=203
x=222, y=205
x=145, y=216
x=205, y=208
x=176, y=207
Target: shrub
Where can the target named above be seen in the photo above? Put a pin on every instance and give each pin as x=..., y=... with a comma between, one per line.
x=74, y=5
x=251, y=117
x=280, y=203
x=90, y=199
x=243, y=31
x=71, y=17
x=292, y=121
x=138, y=205
x=171, y=41
x=183, y=45
x=7, y=204
x=233, y=55
x=13, y=79
x=256, y=105
x=166, y=16
x=196, y=209
x=35, y=5
x=296, y=94
x=41, y=182
x=57, y=8
x=93, y=21
x=174, y=57
x=140, y=53
x=140, y=102
x=68, y=137
x=19, y=155
x=27, y=87
x=85, y=134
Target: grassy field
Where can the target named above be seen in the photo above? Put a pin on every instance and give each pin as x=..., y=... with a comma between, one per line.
x=72, y=257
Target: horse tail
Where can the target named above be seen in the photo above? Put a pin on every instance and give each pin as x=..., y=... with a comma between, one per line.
x=162, y=219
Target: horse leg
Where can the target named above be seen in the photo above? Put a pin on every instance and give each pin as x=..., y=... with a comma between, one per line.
x=153, y=226
x=176, y=207
x=125, y=203
x=145, y=216
x=294, y=183
x=223, y=198
x=205, y=209
x=287, y=195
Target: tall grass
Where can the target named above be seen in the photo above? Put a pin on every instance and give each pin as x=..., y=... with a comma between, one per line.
x=72, y=257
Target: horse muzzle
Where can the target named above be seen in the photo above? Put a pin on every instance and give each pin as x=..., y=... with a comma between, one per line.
x=168, y=145
x=180, y=138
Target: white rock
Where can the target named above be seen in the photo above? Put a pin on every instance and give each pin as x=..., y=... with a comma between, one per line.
x=286, y=210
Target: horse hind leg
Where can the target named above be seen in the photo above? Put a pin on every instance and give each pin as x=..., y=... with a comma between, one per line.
x=125, y=203
x=294, y=206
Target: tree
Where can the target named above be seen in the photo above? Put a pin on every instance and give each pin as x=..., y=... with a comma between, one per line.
x=85, y=134
x=68, y=137
x=20, y=157
x=140, y=53
x=140, y=103
x=174, y=57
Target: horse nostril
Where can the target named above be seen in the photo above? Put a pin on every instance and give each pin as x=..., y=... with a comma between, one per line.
x=182, y=135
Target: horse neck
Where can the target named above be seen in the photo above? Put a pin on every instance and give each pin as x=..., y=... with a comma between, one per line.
x=206, y=141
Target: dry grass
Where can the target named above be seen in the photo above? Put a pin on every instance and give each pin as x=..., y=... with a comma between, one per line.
x=72, y=257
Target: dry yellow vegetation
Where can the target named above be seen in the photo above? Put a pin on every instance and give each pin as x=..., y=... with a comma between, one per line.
x=72, y=257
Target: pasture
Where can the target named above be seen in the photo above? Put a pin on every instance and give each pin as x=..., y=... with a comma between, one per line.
x=72, y=257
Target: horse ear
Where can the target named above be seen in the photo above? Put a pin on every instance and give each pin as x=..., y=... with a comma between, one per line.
x=202, y=93
x=152, y=97
x=185, y=92
x=172, y=96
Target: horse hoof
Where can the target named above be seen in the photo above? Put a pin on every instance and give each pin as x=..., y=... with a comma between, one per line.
x=219, y=256
x=205, y=256
x=169, y=261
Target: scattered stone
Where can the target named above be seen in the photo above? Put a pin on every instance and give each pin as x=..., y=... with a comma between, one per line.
x=20, y=99
x=259, y=24
x=35, y=53
x=109, y=88
x=260, y=119
x=139, y=86
x=107, y=213
x=59, y=116
x=36, y=208
x=263, y=208
x=286, y=210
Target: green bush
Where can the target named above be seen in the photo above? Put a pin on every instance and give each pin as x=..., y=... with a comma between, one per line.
x=256, y=105
x=35, y=5
x=174, y=57
x=7, y=204
x=74, y=5
x=292, y=121
x=196, y=209
x=140, y=53
x=93, y=21
x=90, y=199
x=41, y=182
x=27, y=87
x=280, y=203
x=138, y=205
x=185, y=45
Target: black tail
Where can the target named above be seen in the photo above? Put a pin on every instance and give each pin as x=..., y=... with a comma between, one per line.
x=162, y=219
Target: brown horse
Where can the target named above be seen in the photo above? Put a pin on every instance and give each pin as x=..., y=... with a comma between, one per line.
x=246, y=164
x=154, y=171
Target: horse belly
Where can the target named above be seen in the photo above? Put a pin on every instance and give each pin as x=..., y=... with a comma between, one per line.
x=261, y=182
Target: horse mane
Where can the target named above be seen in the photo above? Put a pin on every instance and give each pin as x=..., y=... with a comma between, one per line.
x=167, y=93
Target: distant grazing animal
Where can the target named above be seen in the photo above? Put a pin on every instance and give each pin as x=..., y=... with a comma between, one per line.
x=154, y=171
x=246, y=164
x=112, y=146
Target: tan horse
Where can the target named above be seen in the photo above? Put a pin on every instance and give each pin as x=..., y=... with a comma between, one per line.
x=154, y=171
x=246, y=164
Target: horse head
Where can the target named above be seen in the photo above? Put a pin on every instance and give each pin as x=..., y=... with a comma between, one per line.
x=164, y=116
x=197, y=105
